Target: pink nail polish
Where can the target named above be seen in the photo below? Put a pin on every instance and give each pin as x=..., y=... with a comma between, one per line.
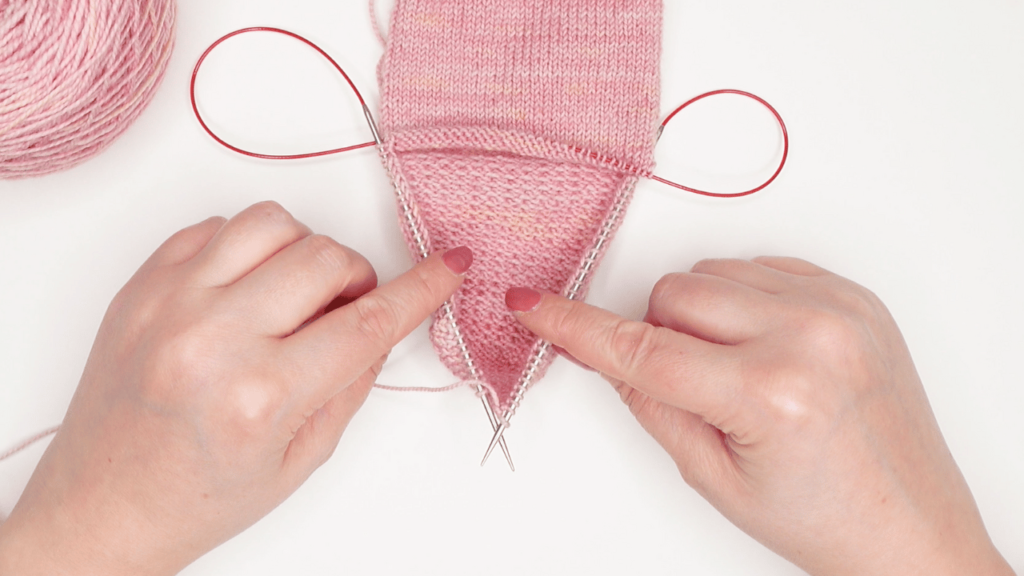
x=522, y=299
x=458, y=260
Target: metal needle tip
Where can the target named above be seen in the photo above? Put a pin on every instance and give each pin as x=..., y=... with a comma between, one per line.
x=508, y=457
x=494, y=425
x=498, y=436
x=373, y=125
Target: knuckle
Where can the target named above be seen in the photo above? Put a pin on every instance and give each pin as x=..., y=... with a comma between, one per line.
x=175, y=368
x=665, y=290
x=859, y=301
x=791, y=400
x=804, y=386
x=141, y=301
x=184, y=365
x=271, y=215
x=252, y=406
x=872, y=301
x=269, y=211
x=637, y=402
x=424, y=295
x=796, y=397
x=818, y=324
x=708, y=265
x=772, y=261
x=376, y=319
x=633, y=344
x=328, y=253
x=833, y=335
x=124, y=309
x=567, y=324
x=425, y=283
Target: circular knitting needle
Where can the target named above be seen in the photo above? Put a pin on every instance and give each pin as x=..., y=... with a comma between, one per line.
x=222, y=142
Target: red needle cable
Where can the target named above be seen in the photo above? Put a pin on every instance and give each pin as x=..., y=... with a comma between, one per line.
x=778, y=117
x=195, y=107
x=373, y=130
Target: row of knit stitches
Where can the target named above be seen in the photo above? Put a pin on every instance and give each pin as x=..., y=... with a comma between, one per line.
x=583, y=72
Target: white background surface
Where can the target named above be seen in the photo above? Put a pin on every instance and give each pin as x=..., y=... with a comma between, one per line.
x=905, y=175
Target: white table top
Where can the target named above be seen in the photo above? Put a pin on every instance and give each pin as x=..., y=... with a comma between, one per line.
x=905, y=176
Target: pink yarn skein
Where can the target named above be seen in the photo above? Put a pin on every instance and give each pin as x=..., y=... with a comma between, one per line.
x=74, y=74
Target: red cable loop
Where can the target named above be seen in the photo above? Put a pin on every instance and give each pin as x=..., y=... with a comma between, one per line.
x=785, y=138
x=195, y=107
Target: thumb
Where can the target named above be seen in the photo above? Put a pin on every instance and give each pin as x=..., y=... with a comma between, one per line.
x=315, y=441
x=697, y=448
x=680, y=370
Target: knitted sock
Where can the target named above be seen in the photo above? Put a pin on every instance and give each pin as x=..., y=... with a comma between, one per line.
x=506, y=124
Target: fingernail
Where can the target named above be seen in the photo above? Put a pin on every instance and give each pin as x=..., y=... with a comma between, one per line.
x=458, y=260
x=522, y=299
x=565, y=354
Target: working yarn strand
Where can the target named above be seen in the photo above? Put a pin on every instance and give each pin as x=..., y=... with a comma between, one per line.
x=29, y=442
x=483, y=388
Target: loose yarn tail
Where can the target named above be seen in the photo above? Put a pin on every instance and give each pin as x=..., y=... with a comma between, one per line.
x=19, y=448
x=375, y=24
x=28, y=442
x=480, y=385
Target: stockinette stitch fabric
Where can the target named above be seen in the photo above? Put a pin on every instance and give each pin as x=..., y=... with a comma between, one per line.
x=517, y=128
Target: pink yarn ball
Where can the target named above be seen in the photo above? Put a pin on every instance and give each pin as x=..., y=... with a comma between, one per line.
x=74, y=74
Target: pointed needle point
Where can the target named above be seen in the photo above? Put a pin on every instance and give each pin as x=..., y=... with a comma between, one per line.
x=494, y=442
x=494, y=426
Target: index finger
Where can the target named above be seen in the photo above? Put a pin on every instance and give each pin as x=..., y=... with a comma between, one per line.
x=340, y=346
x=675, y=368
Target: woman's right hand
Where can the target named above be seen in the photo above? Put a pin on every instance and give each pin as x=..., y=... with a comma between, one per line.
x=787, y=397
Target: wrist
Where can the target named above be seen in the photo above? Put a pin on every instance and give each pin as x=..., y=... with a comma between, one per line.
x=964, y=555
x=24, y=552
x=27, y=548
x=39, y=542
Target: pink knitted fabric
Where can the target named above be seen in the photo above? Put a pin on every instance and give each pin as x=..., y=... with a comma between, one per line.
x=517, y=128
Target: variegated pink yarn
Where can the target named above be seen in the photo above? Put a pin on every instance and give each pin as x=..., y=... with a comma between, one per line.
x=492, y=115
x=74, y=74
